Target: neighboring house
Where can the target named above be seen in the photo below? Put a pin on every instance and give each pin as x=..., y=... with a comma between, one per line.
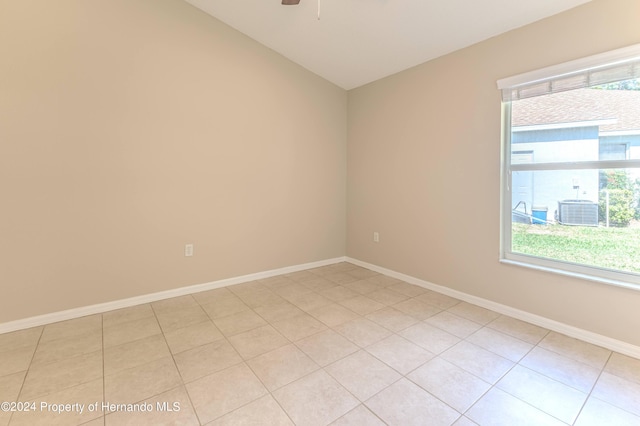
x=577, y=125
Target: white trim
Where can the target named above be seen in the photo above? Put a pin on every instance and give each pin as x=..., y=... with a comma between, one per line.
x=568, y=125
x=578, y=165
x=569, y=330
x=628, y=280
x=621, y=133
x=578, y=333
x=154, y=297
x=505, y=180
x=621, y=55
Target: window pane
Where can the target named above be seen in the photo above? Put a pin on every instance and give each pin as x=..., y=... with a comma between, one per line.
x=587, y=124
x=581, y=216
x=613, y=151
x=563, y=212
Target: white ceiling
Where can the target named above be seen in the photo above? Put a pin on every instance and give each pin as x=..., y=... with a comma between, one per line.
x=358, y=41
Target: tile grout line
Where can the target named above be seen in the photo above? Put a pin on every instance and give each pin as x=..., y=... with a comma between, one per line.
x=246, y=362
x=537, y=345
x=243, y=361
x=183, y=384
x=595, y=383
x=392, y=332
x=492, y=385
x=364, y=348
x=320, y=368
x=483, y=326
x=495, y=385
x=26, y=373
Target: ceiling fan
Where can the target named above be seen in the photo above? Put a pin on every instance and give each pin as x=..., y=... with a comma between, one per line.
x=297, y=2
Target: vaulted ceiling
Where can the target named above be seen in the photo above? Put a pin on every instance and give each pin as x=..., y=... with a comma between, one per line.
x=359, y=41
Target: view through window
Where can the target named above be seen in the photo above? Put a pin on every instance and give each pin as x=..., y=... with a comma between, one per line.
x=572, y=180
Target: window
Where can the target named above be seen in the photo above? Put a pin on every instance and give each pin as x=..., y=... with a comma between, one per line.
x=571, y=168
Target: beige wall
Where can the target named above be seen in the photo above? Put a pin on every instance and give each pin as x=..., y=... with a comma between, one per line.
x=424, y=170
x=129, y=128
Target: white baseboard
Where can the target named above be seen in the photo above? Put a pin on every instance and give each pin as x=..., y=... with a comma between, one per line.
x=587, y=336
x=154, y=297
x=578, y=333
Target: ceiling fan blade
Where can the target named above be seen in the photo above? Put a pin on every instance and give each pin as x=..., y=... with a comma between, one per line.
x=290, y=2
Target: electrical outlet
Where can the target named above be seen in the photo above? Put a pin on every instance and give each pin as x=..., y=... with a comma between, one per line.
x=376, y=237
x=188, y=250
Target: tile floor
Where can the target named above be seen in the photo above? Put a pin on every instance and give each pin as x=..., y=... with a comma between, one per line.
x=338, y=345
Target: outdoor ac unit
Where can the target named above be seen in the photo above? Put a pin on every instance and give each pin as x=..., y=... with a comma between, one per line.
x=578, y=212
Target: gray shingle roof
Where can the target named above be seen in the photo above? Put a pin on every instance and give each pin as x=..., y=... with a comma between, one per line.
x=580, y=105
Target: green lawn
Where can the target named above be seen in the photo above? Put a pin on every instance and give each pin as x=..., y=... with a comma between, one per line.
x=614, y=248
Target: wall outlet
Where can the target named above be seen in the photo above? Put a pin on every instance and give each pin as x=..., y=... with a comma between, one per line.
x=188, y=250
x=376, y=237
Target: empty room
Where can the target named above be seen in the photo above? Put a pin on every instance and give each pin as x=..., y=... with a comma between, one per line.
x=319, y=212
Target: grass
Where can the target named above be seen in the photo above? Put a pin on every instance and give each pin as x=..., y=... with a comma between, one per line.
x=612, y=248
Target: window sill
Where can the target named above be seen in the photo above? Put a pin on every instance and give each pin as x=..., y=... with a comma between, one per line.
x=572, y=274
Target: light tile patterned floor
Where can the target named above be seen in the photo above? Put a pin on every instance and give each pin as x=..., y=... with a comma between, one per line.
x=337, y=345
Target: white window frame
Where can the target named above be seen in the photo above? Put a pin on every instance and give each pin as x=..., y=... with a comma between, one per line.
x=542, y=78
